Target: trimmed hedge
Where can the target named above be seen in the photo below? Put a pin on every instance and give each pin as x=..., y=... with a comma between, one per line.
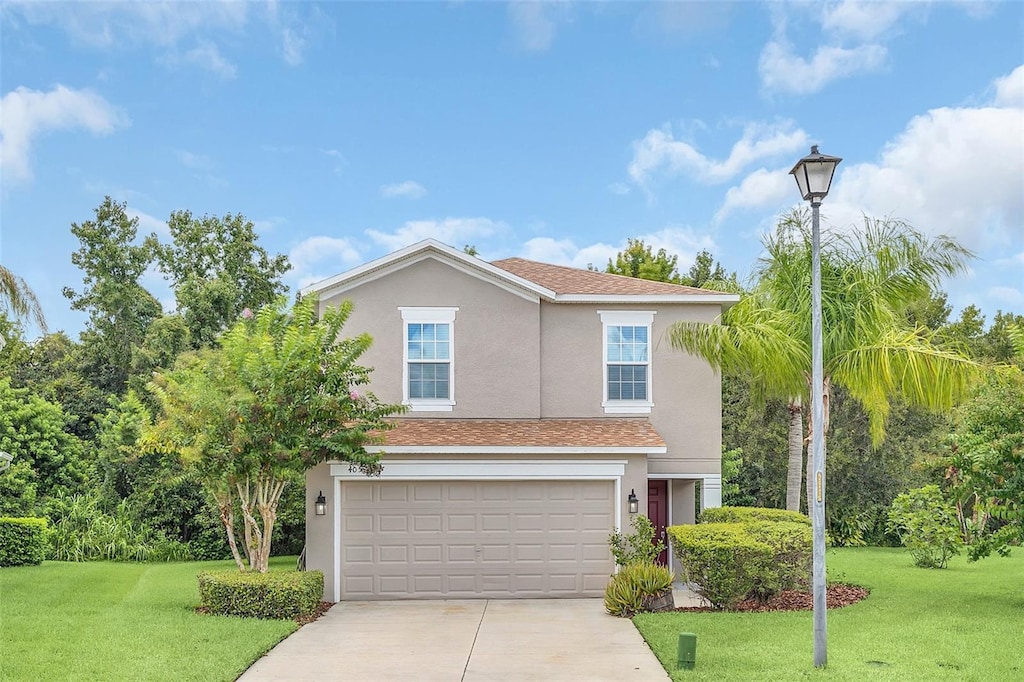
x=732, y=561
x=22, y=541
x=722, y=560
x=278, y=594
x=750, y=514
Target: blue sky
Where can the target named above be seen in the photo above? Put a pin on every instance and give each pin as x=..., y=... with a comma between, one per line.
x=551, y=131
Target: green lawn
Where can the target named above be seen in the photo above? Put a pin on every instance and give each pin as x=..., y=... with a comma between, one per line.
x=115, y=621
x=962, y=623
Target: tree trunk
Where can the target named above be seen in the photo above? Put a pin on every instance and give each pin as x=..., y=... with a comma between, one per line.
x=227, y=518
x=794, y=474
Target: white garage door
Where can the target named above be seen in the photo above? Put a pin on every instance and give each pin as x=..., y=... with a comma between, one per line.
x=458, y=539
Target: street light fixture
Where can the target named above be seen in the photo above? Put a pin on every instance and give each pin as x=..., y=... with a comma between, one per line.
x=813, y=175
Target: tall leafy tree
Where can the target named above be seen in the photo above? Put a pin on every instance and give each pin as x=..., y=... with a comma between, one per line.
x=869, y=277
x=638, y=260
x=280, y=395
x=120, y=308
x=18, y=300
x=217, y=269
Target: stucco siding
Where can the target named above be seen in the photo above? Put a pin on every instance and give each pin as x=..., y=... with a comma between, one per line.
x=496, y=348
x=686, y=392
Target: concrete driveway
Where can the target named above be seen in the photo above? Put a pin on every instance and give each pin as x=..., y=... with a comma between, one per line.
x=463, y=640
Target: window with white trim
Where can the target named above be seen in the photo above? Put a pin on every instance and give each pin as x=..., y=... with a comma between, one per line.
x=626, y=352
x=428, y=367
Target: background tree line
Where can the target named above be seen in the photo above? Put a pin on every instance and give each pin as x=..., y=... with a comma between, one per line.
x=73, y=411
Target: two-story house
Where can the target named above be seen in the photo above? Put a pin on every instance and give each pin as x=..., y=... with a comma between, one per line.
x=546, y=407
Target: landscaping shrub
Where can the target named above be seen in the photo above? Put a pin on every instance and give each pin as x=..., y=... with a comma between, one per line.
x=637, y=547
x=635, y=588
x=748, y=514
x=22, y=541
x=278, y=594
x=83, y=531
x=723, y=561
x=790, y=564
x=927, y=525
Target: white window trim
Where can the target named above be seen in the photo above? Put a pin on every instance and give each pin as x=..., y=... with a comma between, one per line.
x=626, y=318
x=434, y=316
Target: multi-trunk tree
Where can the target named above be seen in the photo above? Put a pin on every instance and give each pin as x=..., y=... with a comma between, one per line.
x=280, y=394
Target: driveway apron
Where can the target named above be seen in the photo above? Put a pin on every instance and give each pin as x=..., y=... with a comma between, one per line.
x=463, y=640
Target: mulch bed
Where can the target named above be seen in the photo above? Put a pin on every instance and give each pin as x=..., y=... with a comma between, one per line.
x=837, y=596
x=320, y=610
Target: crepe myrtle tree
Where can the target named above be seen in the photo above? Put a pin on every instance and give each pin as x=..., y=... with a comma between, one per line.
x=278, y=395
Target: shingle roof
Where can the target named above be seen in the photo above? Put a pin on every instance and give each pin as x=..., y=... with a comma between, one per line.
x=604, y=433
x=566, y=280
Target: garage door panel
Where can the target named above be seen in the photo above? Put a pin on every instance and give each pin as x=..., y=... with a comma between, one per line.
x=460, y=539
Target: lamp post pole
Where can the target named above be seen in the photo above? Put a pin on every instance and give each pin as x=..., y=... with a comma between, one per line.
x=813, y=175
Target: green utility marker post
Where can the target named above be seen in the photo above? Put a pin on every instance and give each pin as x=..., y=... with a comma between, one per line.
x=687, y=658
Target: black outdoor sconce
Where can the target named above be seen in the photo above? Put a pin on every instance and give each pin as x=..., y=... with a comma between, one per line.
x=634, y=503
x=321, y=504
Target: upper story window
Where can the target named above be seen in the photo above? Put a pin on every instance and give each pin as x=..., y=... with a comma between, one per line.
x=627, y=361
x=428, y=376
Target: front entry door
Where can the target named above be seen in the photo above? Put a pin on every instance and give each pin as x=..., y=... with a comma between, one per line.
x=657, y=512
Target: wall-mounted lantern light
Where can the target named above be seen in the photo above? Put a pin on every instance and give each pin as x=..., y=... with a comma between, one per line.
x=634, y=503
x=321, y=504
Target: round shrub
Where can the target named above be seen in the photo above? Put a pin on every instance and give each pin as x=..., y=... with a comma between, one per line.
x=722, y=560
x=927, y=525
x=792, y=552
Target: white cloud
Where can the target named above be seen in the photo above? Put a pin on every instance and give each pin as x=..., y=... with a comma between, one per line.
x=762, y=188
x=410, y=189
x=194, y=161
x=864, y=20
x=783, y=71
x=535, y=23
x=938, y=175
x=311, y=255
x=451, y=231
x=659, y=151
x=207, y=56
x=678, y=241
x=1010, y=89
x=108, y=24
x=166, y=26
x=149, y=224
x=619, y=188
x=1007, y=295
x=26, y=113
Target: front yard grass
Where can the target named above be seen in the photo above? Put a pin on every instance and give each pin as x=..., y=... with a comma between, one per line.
x=965, y=622
x=121, y=621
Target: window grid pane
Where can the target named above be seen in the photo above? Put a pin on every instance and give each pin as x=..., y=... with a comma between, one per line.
x=625, y=345
x=428, y=380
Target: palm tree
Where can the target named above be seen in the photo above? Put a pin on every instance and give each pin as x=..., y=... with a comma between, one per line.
x=17, y=298
x=869, y=276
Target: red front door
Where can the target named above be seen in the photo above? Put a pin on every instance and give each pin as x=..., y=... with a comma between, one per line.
x=657, y=512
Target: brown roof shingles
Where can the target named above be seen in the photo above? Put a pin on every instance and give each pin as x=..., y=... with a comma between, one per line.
x=566, y=280
x=620, y=432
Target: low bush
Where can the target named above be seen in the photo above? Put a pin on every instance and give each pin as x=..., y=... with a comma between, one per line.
x=22, y=541
x=278, y=594
x=927, y=525
x=749, y=514
x=635, y=588
x=638, y=547
x=723, y=561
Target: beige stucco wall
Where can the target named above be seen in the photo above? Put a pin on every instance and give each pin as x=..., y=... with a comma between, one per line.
x=687, y=394
x=496, y=349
